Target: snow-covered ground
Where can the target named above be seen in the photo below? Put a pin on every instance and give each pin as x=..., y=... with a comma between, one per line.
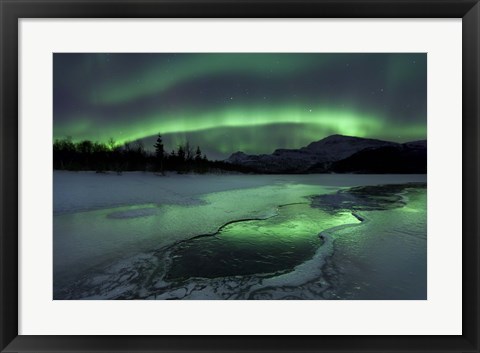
x=110, y=231
x=78, y=191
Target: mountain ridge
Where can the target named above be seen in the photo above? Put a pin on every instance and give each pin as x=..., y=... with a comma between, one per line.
x=340, y=154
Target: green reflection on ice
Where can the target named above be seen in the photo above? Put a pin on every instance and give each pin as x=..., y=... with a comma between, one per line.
x=256, y=246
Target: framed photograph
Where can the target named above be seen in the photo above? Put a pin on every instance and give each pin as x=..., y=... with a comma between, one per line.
x=239, y=176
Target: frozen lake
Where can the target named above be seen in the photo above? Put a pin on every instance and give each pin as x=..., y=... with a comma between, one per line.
x=317, y=236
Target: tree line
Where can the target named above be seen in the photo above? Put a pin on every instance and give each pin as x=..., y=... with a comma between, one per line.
x=132, y=156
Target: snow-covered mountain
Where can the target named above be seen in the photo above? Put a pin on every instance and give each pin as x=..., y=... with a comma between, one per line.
x=322, y=156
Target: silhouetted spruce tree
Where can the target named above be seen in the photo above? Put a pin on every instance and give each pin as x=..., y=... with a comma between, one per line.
x=198, y=154
x=181, y=153
x=159, y=152
x=181, y=162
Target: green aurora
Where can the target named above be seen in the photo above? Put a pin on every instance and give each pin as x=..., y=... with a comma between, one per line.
x=255, y=103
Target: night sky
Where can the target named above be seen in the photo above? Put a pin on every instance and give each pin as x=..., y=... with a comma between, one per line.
x=225, y=103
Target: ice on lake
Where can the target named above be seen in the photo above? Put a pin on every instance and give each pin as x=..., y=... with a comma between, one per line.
x=323, y=236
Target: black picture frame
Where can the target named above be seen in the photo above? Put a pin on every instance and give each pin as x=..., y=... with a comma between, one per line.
x=12, y=10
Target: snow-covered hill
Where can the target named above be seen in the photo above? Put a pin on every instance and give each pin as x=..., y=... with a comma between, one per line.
x=317, y=156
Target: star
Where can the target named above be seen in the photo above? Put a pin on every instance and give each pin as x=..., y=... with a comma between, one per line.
x=183, y=96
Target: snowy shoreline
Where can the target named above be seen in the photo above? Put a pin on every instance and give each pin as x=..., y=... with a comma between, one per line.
x=84, y=191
